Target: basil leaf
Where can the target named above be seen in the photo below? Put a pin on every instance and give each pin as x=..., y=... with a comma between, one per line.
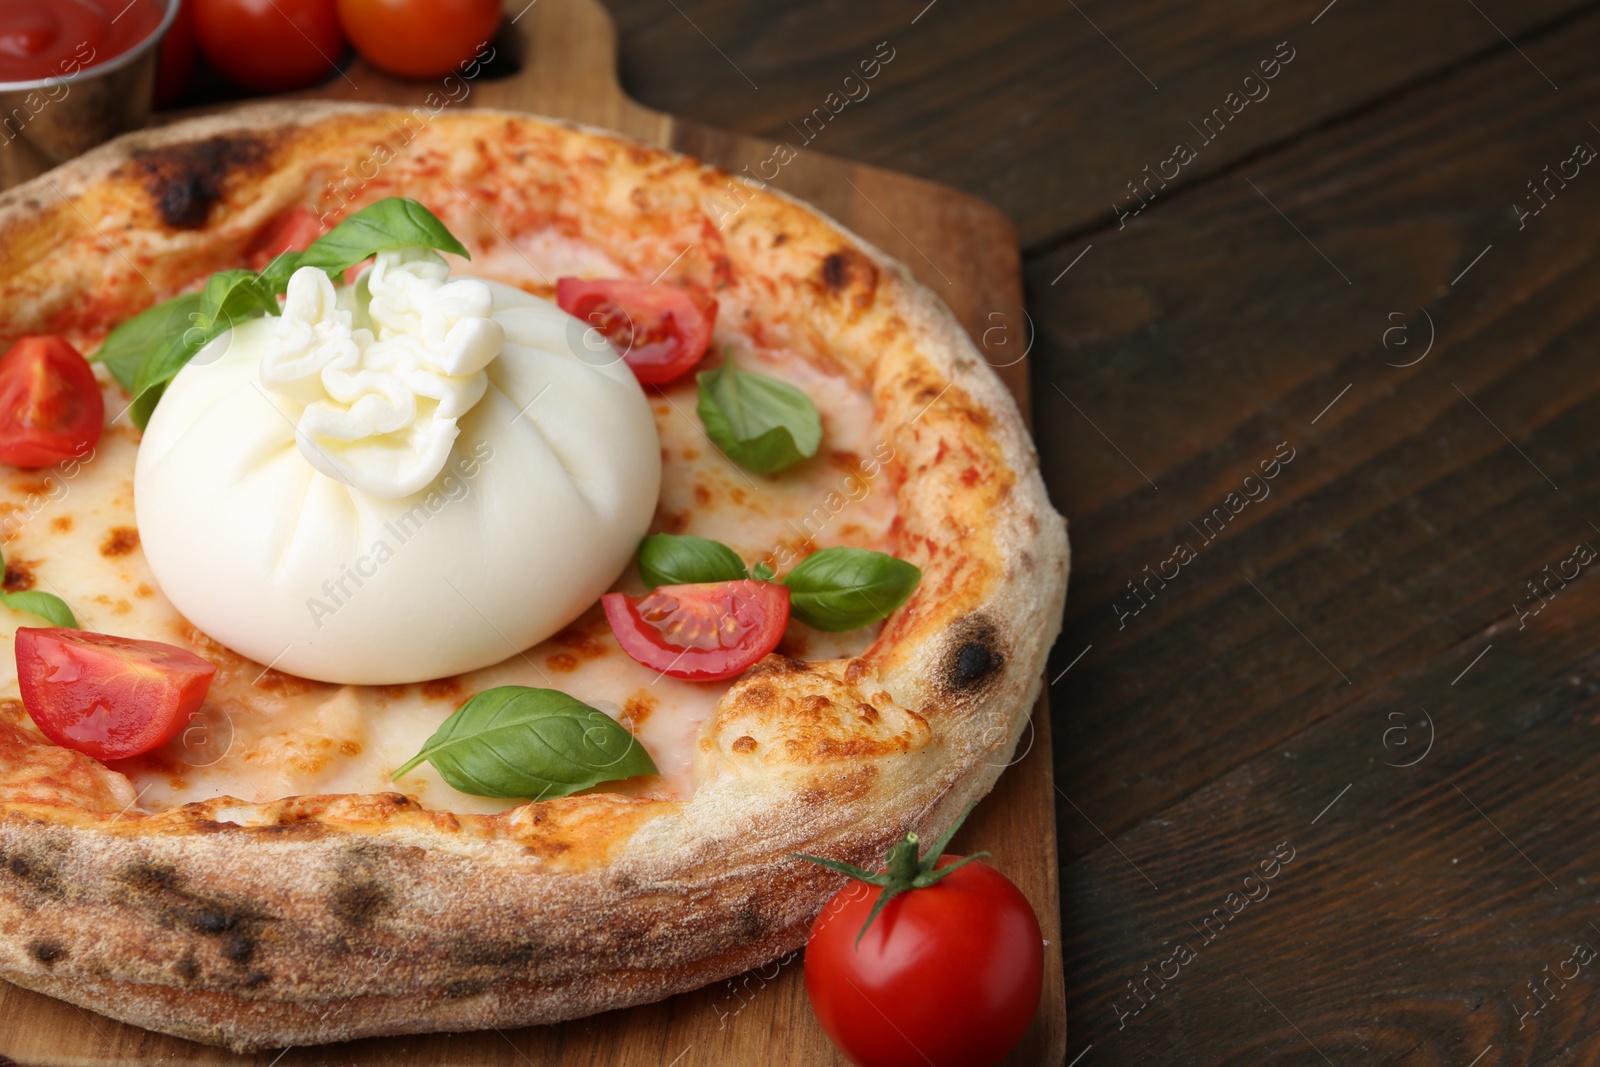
x=513, y=741
x=161, y=367
x=234, y=295
x=669, y=559
x=846, y=588
x=761, y=572
x=126, y=348
x=145, y=400
x=759, y=422
x=148, y=350
x=397, y=222
x=230, y=297
x=47, y=606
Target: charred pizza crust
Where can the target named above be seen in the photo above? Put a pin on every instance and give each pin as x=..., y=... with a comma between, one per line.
x=323, y=918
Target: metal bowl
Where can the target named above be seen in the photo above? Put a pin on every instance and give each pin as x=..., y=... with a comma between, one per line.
x=50, y=120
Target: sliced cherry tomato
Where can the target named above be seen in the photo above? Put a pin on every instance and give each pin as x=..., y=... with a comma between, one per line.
x=660, y=330
x=948, y=975
x=108, y=697
x=176, y=61
x=292, y=232
x=420, y=38
x=50, y=405
x=270, y=46
x=700, y=632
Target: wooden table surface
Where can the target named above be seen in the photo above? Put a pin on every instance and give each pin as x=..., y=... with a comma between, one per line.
x=1373, y=277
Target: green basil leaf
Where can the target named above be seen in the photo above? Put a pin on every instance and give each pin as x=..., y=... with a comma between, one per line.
x=669, y=559
x=761, y=572
x=513, y=741
x=759, y=422
x=144, y=404
x=148, y=350
x=232, y=296
x=846, y=588
x=47, y=606
x=397, y=222
x=126, y=348
x=164, y=364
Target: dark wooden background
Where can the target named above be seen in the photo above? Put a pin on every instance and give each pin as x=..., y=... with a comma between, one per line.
x=1353, y=239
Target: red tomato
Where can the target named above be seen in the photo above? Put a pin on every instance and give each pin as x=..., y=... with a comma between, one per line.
x=50, y=405
x=176, y=60
x=420, y=38
x=700, y=632
x=108, y=697
x=292, y=232
x=661, y=330
x=949, y=975
x=270, y=46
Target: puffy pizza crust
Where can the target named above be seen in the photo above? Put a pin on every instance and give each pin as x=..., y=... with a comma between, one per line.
x=316, y=919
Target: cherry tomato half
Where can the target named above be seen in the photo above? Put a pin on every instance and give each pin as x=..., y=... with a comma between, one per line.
x=108, y=697
x=949, y=975
x=293, y=231
x=270, y=46
x=420, y=38
x=50, y=405
x=660, y=330
x=700, y=632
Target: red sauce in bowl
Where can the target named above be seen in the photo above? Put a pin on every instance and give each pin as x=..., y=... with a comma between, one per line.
x=55, y=38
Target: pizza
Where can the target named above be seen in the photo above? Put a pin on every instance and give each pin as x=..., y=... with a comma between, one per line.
x=380, y=418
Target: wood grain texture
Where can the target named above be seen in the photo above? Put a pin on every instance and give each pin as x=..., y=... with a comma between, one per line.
x=967, y=252
x=1040, y=106
x=1381, y=540
x=1268, y=692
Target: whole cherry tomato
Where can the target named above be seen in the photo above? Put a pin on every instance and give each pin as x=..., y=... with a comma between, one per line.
x=947, y=972
x=50, y=404
x=702, y=633
x=108, y=697
x=420, y=38
x=270, y=46
x=661, y=331
x=176, y=59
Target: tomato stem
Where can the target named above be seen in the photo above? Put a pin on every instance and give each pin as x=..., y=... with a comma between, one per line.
x=904, y=871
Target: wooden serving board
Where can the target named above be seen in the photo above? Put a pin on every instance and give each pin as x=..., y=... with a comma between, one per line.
x=962, y=248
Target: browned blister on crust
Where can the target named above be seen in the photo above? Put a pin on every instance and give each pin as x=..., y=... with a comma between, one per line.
x=787, y=714
x=322, y=918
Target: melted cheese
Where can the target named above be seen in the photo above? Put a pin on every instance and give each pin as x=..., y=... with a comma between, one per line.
x=263, y=735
